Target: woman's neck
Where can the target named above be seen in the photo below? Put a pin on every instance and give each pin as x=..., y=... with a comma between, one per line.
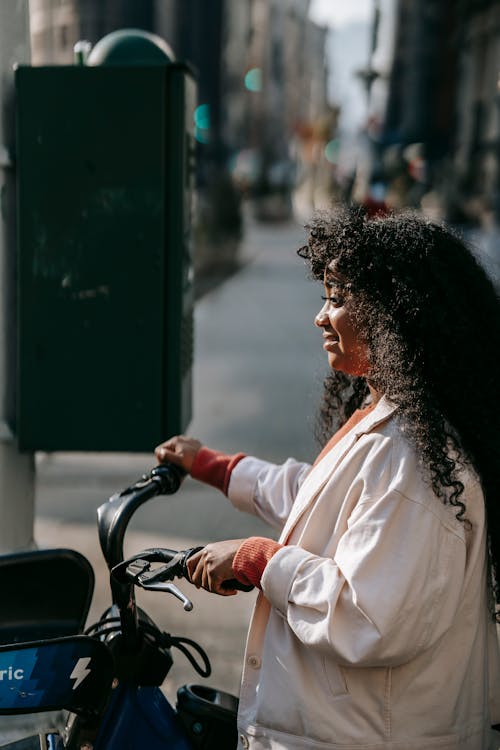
x=375, y=395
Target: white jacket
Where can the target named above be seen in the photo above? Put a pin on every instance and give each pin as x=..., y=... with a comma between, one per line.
x=372, y=629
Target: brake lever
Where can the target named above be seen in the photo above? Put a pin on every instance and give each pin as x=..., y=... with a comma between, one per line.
x=154, y=580
x=168, y=588
x=173, y=569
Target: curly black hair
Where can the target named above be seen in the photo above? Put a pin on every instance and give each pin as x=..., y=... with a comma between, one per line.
x=430, y=316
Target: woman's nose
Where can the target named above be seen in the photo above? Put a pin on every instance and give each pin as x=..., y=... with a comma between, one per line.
x=321, y=320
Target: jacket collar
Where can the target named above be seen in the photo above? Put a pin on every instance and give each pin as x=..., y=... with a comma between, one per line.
x=382, y=411
x=321, y=472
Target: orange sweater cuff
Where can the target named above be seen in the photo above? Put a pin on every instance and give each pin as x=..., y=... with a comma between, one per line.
x=214, y=467
x=252, y=557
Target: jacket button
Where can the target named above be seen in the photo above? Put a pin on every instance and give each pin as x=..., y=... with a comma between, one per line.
x=254, y=662
x=244, y=741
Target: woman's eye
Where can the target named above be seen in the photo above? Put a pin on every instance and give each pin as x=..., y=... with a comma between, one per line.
x=333, y=299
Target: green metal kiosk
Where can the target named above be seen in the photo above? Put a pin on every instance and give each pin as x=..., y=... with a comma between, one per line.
x=105, y=164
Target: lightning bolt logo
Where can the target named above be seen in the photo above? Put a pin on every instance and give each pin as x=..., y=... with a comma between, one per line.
x=80, y=671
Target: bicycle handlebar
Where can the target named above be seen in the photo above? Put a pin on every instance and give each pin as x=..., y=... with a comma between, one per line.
x=115, y=514
x=139, y=571
x=113, y=519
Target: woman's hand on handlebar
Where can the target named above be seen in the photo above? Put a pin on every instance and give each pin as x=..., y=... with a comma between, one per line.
x=179, y=450
x=213, y=565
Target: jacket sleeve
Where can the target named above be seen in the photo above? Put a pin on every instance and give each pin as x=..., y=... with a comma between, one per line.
x=265, y=489
x=391, y=590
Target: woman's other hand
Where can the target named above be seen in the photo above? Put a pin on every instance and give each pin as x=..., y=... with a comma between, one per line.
x=179, y=450
x=213, y=565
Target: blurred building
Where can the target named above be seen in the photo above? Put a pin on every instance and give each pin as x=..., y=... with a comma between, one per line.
x=434, y=113
x=261, y=63
x=262, y=89
x=56, y=25
x=420, y=107
x=476, y=152
x=412, y=97
x=283, y=95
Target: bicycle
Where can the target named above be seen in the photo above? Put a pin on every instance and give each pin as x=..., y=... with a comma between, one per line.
x=107, y=677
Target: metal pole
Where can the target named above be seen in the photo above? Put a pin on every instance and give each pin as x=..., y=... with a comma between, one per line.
x=17, y=472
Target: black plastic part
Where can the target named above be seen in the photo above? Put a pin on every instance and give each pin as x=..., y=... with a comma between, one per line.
x=209, y=717
x=147, y=662
x=114, y=515
x=45, y=594
x=233, y=583
x=139, y=565
x=148, y=665
x=113, y=519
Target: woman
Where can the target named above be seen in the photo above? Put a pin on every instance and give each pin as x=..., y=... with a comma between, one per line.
x=375, y=624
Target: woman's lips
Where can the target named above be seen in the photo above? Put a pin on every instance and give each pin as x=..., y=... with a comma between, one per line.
x=330, y=342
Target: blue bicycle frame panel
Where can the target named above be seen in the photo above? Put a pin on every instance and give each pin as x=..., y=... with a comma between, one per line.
x=73, y=673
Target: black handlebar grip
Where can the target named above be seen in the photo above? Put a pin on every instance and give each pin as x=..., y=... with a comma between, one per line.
x=233, y=583
x=169, y=476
